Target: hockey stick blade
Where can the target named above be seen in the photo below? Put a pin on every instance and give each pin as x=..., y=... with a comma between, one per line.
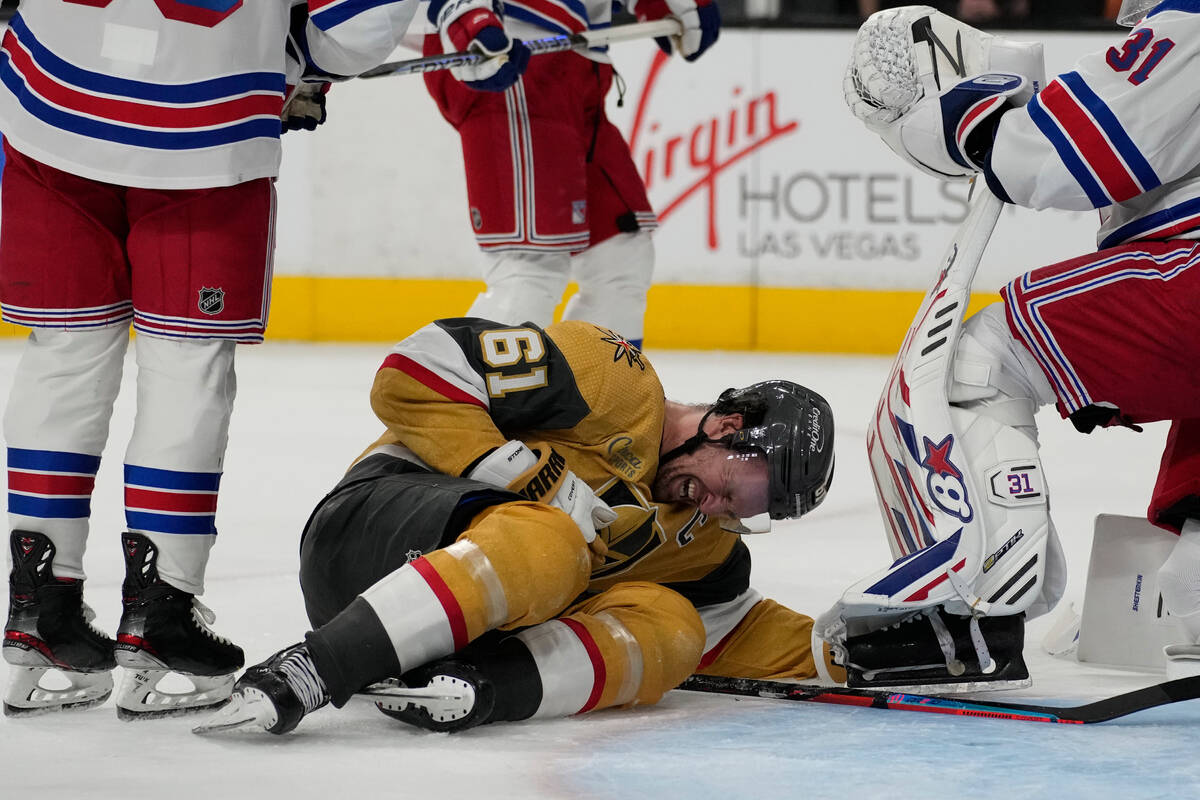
x=1099, y=711
x=551, y=44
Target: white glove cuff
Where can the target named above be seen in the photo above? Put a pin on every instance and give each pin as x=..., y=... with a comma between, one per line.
x=504, y=465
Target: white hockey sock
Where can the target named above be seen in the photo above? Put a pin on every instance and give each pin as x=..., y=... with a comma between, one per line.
x=522, y=287
x=1179, y=579
x=613, y=278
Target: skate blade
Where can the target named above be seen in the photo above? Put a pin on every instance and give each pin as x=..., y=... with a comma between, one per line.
x=241, y=711
x=143, y=696
x=961, y=687
x=27, y=697
x=446, y=699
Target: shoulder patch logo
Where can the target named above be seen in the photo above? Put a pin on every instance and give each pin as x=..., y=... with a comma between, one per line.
x=212, y=301
x=624, y=349
x=623, y=459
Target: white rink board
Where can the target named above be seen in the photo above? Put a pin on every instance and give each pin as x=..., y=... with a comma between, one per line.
x=761, y=175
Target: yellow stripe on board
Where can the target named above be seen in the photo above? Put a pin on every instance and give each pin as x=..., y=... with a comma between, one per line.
x=325, y=309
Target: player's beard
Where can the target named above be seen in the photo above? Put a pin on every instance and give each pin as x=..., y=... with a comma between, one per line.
x=660, y=489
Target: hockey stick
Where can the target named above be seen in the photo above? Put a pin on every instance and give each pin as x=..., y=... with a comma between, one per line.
x=1099, y=711
x=551, y=44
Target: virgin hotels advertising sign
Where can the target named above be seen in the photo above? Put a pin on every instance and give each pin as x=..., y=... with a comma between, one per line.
x=760, y=175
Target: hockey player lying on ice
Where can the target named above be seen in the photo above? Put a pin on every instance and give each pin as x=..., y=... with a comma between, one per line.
x=537, y=481
x=1110, y=338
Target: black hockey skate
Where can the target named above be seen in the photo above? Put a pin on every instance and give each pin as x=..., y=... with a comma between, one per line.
x=48, y=628
x=444, y=696
x=165, y=629
x=274, y=695
x=933, y=650
x=490, y=681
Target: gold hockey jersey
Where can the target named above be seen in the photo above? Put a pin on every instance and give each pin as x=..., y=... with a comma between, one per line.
x=459, y=388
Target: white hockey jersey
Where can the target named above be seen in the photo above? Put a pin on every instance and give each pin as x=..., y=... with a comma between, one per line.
x=173, y=94
x=1120, y=133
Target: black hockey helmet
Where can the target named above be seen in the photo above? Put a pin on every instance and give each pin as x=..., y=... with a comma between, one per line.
x=792, y=426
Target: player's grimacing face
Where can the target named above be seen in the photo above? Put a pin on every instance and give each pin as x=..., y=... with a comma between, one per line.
x=717, y=480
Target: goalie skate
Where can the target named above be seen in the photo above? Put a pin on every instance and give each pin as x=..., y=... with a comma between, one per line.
x=49, y=629
x=164, y=631
x=934, y=651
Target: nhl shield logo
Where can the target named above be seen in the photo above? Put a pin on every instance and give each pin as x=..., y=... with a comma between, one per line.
x=212, y=301
x=476, y=218
x=578, y=212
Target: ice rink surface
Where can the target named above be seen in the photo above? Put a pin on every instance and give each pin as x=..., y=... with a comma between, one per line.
x=302, y=416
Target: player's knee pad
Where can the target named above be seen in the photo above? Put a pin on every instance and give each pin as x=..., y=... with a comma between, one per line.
x=995, y=375
x=522, y=287
x=629, y=644
x=613, y=278
x=661, y=632
x=535, y=562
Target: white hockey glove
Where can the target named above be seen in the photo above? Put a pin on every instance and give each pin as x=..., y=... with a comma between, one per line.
x=701, y=20
x=540, y=473
x=475, y=26
x=913, y=54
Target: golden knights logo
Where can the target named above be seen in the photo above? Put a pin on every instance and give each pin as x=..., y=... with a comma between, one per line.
x=212, y=301
x=634, y=535
x=624, y=349
x=639, y=529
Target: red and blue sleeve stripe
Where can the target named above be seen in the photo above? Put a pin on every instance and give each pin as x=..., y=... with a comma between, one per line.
x=326, y=14
x=1091, y=142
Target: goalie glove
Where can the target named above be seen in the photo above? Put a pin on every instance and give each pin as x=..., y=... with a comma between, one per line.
x=540, y=474
x=950, y=135
x=475, y=26
x=701, y=21
x=913, y=55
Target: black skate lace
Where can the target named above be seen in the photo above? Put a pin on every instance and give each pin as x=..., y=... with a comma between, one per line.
x=302, y=677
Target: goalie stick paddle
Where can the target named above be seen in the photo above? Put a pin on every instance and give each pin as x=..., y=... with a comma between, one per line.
x=1099, y=711
x=551, y=44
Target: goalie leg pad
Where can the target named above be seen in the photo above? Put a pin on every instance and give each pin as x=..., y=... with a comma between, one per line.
x=937, y=648
x=980, y=479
